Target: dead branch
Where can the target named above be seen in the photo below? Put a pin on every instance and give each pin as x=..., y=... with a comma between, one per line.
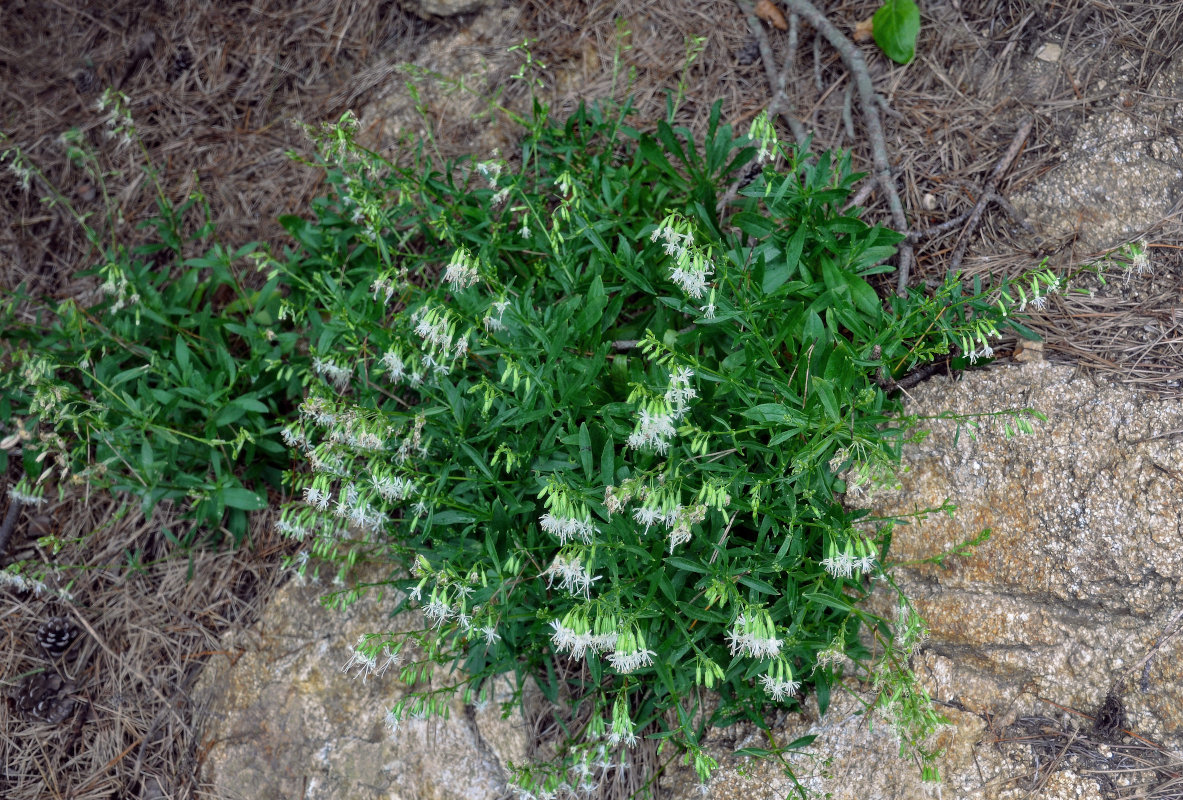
x=989, y=193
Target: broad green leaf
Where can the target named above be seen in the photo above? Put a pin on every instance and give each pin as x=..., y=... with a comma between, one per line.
x=895, y=26
x=238, y=497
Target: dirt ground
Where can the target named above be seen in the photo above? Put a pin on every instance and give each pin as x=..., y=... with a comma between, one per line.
x=215, y=89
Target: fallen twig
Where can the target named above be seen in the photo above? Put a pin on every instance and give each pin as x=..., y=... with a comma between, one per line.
x=6, y=527
x=990, y=192
x=778, y=82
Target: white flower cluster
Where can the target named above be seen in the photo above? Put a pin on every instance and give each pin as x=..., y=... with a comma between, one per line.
x=443, y=344
x=366, y=663
x=568, y=528
x=578, y=639
x=493, y=324
x=754, y=635
x=677, y=519
x=762, y=131
x=1139, y=259
x=855, y=557
x=386, y=284
x=630, y=653
x=491, y=171
x=566, y=518
x=661, y=506
x=654, y=430
x=778, y=687
x=657, y=420
x=22, y=494
x=392, y=489
x=18, y=166
x=354, y=507
x=679, y=393
x=462, y=271
x=295, y=438
x=336, y=374
x=19, y=583
x=572, y=575
x=355, y=434
x=693, y=266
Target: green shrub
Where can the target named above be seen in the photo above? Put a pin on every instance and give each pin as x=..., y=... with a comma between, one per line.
x=169, y=384
x=590, y=421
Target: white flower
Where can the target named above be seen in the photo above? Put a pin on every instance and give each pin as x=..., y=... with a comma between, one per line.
x=628, y=662
x=571, y=573
x=339, y=376
x=366, y=665
x=394, y=365
x=563, y=638
x=566, y=528
x=393, y=489
x=294, y=438
x=691, y=281
x=680, y=392
x=839, y=565
x=490, y=634
x=460, y=275
x=865, y=563
x=315, y=497
x=436, y=611
x=24, y=497
x=647, y=516
x=752, y=643
x=653, y=431
x=489, y=170
x=779, y=689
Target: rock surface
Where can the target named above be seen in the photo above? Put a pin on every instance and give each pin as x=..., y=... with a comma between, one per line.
x=446, y=8
x=1122, y=173
x=285, y=721
x=453, y=79
x=1066, y=601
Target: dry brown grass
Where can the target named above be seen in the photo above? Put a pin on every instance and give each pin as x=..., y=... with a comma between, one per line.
x=145, y=633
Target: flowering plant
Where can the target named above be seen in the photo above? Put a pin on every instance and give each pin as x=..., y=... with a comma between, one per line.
x=605, y=427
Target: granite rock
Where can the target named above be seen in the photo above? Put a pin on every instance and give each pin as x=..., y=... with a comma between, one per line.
x=1076, y=594
x=285, y=720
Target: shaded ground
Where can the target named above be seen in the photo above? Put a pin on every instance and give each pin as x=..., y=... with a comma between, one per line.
x=214, y=89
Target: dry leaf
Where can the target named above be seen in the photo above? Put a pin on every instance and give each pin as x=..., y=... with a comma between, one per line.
x=768, y=11
x=864, y=30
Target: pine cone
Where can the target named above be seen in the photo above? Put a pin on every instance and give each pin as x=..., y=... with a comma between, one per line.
x=56, y=635
x=44, y=697
x=180, y=63
x=85, y=80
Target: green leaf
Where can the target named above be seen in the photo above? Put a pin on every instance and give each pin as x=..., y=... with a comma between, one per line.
x=182, y=352
x=593, y=308
x=775, y=413
x=244, y=498
x=608, y=463
x=677, y=562
x=895, y=26
x=585, y=450
x=230, y=413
